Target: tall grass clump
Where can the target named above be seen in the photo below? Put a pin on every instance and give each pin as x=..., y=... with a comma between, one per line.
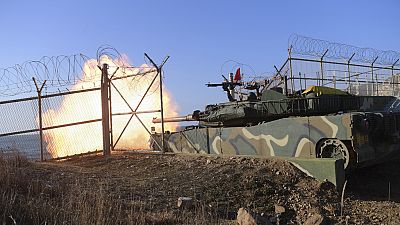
x=32, y=194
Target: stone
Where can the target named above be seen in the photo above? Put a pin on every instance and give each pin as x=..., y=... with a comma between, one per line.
x=279, y=209
x=246, y=217
x=273, y=219
x=316, y=219
x=185, y=202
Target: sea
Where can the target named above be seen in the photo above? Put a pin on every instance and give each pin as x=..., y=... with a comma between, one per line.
x=27, y=145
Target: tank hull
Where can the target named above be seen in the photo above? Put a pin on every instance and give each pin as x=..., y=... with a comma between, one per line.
x=367, y=138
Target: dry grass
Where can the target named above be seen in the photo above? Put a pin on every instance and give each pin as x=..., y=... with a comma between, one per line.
x=135, y=188
x=25, y=199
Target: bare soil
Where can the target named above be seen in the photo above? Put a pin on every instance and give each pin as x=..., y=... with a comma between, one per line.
x=150, y=184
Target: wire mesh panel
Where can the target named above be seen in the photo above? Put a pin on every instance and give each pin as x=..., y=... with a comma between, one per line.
x=72, y=123
x=135, y=97
x=73, y=140
x=70, y=108
x=19, y=128
x=18, y=115
x=127, y=93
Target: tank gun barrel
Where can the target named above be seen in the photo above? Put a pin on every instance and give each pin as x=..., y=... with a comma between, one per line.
x=175, y=119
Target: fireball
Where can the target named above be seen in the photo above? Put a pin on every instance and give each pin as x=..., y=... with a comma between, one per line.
x=75, y=108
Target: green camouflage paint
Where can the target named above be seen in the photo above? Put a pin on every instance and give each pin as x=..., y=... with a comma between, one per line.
x=296, y=137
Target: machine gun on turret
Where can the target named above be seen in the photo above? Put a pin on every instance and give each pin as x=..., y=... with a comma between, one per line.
x=255, y=87
x=229, y=85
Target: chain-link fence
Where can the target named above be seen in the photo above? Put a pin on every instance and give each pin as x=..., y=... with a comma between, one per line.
x=82, y=105
x=19, y=130
x=70, y=125
x=72, y=122
x=359, y=71
x=359, y=79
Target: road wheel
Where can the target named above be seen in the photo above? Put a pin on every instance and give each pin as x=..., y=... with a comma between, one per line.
x=335, y=149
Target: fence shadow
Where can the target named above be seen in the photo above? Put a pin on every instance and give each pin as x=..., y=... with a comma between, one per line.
x=372, y=183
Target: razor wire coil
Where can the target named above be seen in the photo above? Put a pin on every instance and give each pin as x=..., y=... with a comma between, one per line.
x=62, y=72
x=316, y=47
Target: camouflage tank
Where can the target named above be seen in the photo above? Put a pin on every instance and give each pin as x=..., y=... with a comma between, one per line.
x=321, y=129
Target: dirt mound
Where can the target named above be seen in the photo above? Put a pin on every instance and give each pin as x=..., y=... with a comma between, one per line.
x=138, y=188
x=220, y=184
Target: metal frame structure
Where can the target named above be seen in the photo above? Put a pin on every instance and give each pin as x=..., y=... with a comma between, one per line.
x=353, y=77
x=350, y=61
x=107, y=115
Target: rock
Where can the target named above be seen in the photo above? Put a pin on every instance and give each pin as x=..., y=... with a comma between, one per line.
x=246, y=217
x=185, y=202
x=279, y=209
x=273, y=219
x=316, y=219
x=208, y=161
x=241, y=159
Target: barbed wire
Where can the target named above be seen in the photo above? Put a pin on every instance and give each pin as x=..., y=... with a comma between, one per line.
x=58, y=71
x=230, y=66
x=315, y=47
x=63, y=72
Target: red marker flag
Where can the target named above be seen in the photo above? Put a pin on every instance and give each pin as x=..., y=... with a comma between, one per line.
x=238, y=77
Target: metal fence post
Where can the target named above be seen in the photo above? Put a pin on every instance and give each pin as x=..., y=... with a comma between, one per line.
x=39, y=92
x=393, y=75
x=110, y=114
x=322, y=67
x=372, y=78
x=291, y=70
x=284, y=80
x=159, y=73
x=105, y=108
x=348, y=71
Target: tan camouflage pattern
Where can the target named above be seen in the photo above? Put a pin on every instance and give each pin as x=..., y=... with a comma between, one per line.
x=289, y=137
x=297, y=137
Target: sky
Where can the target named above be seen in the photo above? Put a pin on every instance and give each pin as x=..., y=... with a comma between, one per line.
x=199, y=36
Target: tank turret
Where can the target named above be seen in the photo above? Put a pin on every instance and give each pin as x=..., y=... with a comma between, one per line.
x=271, y=104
